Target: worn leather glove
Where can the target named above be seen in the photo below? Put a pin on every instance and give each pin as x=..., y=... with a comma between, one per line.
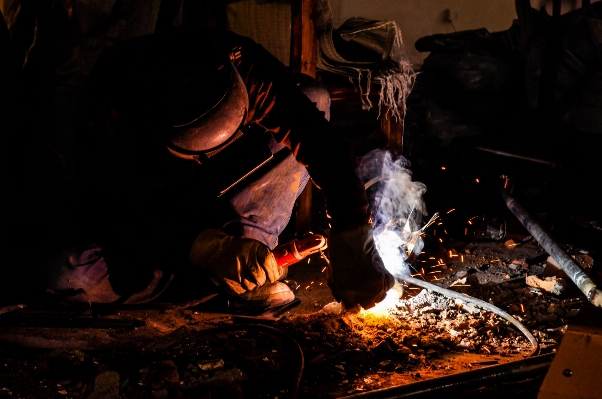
x=240, y=264
x=356, y=273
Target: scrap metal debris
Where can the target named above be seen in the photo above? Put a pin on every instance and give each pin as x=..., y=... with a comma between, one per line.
x=550, y=284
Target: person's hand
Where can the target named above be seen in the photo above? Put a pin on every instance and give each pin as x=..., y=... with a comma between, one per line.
x=240, y=264
x=356, y=273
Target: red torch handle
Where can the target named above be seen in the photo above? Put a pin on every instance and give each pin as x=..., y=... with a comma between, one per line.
x=296, y=250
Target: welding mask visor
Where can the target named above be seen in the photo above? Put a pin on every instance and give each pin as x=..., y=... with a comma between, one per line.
x=215, y=135
x=207, y=115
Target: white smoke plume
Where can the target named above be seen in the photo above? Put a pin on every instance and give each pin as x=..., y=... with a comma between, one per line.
x=397, y=208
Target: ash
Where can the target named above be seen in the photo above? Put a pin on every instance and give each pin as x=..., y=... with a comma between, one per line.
x=427, y=300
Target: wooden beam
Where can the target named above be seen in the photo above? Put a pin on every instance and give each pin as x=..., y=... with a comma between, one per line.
x=304, y=53
x=303, y=37
x=392, y=129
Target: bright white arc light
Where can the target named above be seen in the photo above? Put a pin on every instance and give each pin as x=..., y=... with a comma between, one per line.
x=398, y=212
x=389, y=243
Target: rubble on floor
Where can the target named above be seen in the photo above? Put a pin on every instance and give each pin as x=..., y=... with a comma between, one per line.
x=422, y=336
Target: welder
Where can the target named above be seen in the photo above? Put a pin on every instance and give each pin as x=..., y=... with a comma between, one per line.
x=201, y=143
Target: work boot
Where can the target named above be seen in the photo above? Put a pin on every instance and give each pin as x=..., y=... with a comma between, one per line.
x=268, y=295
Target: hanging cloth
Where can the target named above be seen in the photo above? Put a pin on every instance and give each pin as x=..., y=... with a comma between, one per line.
x=369, y=51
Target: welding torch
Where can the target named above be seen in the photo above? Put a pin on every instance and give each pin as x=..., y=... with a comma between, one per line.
x=297, y=250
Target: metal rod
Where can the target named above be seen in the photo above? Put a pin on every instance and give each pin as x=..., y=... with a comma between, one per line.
x=462, y=382
x=511, y=155
x=570, y=267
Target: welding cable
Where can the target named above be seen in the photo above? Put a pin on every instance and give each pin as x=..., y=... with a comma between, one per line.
x=482, y=304
x=12, y=308
x=281, y=334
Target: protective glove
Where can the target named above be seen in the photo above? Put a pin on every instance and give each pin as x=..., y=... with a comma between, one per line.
x=240, y=264
x=356, y=273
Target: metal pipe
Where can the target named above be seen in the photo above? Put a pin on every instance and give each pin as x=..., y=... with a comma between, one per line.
x=517, y=156
x=455, y=384
x=570, y=267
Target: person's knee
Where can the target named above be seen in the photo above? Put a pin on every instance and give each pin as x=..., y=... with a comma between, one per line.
x=315, y=91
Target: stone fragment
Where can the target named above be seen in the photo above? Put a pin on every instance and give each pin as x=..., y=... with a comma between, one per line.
x=160, y=394
x=383, y=348
x=386, y=365
x=223, y=377
x=403, y=350
x=553, y=285
x=106, y=386
x=214, y=364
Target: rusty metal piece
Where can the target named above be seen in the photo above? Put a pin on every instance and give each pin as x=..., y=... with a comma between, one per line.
x=498, y=376
x=269, y=317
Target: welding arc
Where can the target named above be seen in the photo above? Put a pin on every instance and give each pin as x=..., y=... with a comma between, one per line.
x=482, y=304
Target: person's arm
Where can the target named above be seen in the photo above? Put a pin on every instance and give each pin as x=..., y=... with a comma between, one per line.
x=279, y=106
x=356, y=273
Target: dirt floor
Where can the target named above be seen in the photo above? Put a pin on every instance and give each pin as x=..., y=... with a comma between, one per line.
x=178, y=352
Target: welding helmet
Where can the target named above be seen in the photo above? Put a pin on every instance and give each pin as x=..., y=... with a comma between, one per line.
x=208, y=114
x=177, y=88
x=181, y=91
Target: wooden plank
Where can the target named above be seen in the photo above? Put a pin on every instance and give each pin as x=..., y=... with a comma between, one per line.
x=303, y=60
x=303, y=37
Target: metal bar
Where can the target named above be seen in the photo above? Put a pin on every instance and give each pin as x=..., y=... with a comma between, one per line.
x=572, y=269
x=469, y=380
x=269, y=317
x=517, y=156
